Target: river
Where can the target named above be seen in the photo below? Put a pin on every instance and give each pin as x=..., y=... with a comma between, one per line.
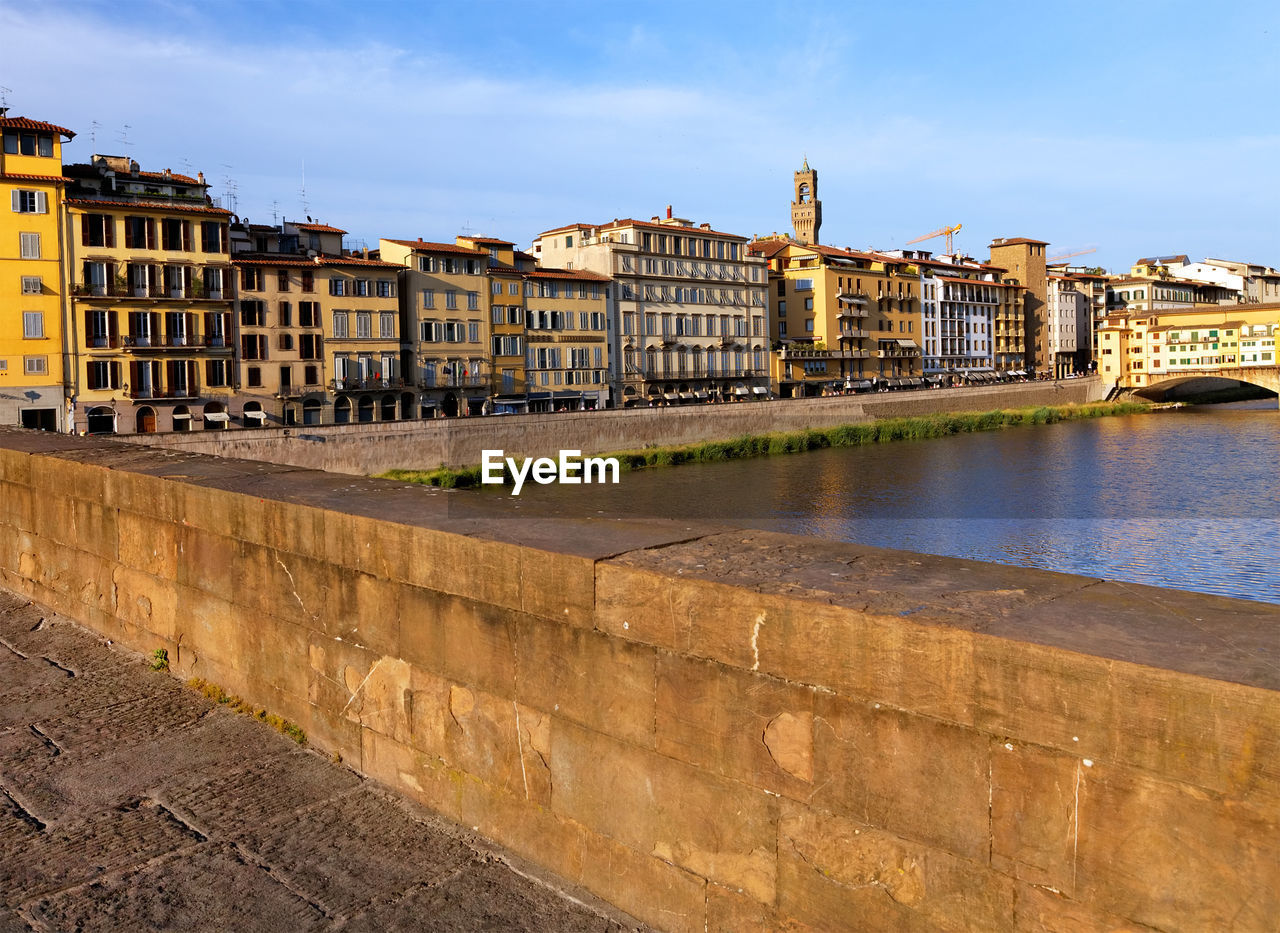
x=1187, y=498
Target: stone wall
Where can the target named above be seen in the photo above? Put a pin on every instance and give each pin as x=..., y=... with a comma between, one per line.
x=713, y=729
x=374, y=448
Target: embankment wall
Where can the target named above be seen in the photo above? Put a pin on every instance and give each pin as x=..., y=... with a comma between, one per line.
x=369, y=449
x=712, y=729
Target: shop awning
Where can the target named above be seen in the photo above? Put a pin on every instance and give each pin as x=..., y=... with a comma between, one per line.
x=256, y=415
x=740, y=390
x=760, y=390
x=217, y=416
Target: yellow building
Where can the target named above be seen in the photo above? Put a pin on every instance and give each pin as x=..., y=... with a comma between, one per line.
x=149, y=262
x=32, y=278
x=505, y=313
x=839, y=319
x=1137, y=350
x=443, y=307
x=319, y=330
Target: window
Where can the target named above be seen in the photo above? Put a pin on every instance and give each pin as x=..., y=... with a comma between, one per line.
x=139, y=233
x=29, y=202
x=473, y=267
x=426, y=264
x=387, y=325
x=102, y=375
x=254, y=377
x=513, y=288
x=175, y=235
x=32, y=285
x=33, y=325
x=216, y=373
x=451, y=299
x=308, y=281
x=360, y=287
x=337, y=287
x=253, y=313
x=386, y=288
x=364, y=324
x=282, y=280
x=211, y=236
x=285, y=342
x=29, y=245
x=473, y=301
x=35, y=365
x=250, y=279
x=253, y=346
x=340, y=324
x=284, y=315
x=428, y=298
x=310, y=346
x=803, y=285
x=473, y=331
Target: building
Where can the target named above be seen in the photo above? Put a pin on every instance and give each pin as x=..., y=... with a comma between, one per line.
x=1069, y=319
x=34, y=353
x=566, y=340
x=150, y=309
x=444, y=308
x=686, y=307
x=806, y=209
x=319, y=333
x=1023, y=260
x=1139, y=349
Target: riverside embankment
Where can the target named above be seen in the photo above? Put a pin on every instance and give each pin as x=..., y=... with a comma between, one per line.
x=370, y=449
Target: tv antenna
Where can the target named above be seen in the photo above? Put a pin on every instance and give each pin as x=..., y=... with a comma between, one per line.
x=231, y=188
x=275, y=213
x=123, y=138
x=4, y=97
x=302, y=192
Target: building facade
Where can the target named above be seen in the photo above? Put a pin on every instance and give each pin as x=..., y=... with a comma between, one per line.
x=687, y=304
x=1024, y=263
x=34, y=355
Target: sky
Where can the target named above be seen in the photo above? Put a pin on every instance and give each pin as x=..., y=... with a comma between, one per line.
x=1131, y=129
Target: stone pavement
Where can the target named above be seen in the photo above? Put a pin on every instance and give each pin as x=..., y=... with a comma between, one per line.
x=129, y=801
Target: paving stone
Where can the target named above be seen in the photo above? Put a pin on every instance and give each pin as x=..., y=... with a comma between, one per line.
x=346, y=852
x=10, y=922
x=227, y=804
x=484, y=897
x=65, y=856
x=211, y=887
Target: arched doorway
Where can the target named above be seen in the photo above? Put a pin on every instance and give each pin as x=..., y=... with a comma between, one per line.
x=145, y=420
x=254, y=416
x=364, y=409
x=215, y=417
x=311, y=411
x=342, y=410
x=181, y=418
x=101, y=420
x=449, y=405
x=290, y=413
x=388, y=412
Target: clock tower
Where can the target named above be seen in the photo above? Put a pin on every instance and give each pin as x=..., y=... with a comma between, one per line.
x=806, y=209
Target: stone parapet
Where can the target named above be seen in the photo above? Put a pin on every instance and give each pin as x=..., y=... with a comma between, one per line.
x=712, y=728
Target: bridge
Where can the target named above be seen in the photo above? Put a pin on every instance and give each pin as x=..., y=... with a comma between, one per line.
x=1264, y=377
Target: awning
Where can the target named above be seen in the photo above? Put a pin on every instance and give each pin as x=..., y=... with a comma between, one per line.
x=539, y=396
x=759, y=390
x=740, y=390
x=907, y=343
x=686, y=396
x=256, y=415
x=701, y=395
x=671, y=396
x=181, y=417
x=217, y=416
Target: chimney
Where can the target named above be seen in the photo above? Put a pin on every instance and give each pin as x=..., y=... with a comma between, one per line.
x=200, y=177
x=168, y=173
x=668, y=212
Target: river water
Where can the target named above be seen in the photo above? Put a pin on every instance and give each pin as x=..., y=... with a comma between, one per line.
x=1187, y=498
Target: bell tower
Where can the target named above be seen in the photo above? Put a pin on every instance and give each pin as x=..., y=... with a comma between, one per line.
x=806, y=209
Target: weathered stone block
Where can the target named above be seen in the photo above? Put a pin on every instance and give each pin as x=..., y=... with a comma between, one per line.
x=840, y=874
x=148, y=544
x=1039, y=910
x=753, y=728
x=914, y=777
x=716, y=828
x=600, y=682
x=468, y=642
x=1035, y=812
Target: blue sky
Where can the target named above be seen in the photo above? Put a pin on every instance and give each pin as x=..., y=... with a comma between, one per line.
x=1132, y=128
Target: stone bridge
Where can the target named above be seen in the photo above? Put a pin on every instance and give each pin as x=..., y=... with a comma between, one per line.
x=1266, y=377
x=712, y=728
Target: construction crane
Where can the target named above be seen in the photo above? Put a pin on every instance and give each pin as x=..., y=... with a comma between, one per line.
x=948, y=232
x=1054, y=260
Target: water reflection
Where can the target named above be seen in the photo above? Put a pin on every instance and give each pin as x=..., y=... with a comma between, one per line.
x=1189, y=499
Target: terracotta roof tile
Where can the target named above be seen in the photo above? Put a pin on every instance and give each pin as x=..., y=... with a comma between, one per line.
x=319, y=228
x=19, y=177
x=489, y=240
x=1020, y=241
x=426, y=246
x=24, y=123
x=148, y=206
x=356, y=261
x=675, y=229
x=579, y=274
x=172, y=176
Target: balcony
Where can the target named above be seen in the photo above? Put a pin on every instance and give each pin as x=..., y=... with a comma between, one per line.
x=163, y=342
x=101, y=342
x=358, y=385
x=452, y=382
x=172, y=392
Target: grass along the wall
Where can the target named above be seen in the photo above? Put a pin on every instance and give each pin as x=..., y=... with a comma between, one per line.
x=789, y=442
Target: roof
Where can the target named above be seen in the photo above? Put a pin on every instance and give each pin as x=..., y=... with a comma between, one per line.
x=289, y=259
x=426, y=246
x=1018, y=241
x=669, y=228
x=356, y=261
x=319, y=228
x=962, y=279
x=24, y=123
x=489, y=240
x=563, y=229
x=1161, y=260
x=149, y=206
x=567, y=274
x=768, y=248
x=20, y=177
x=171, y=176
